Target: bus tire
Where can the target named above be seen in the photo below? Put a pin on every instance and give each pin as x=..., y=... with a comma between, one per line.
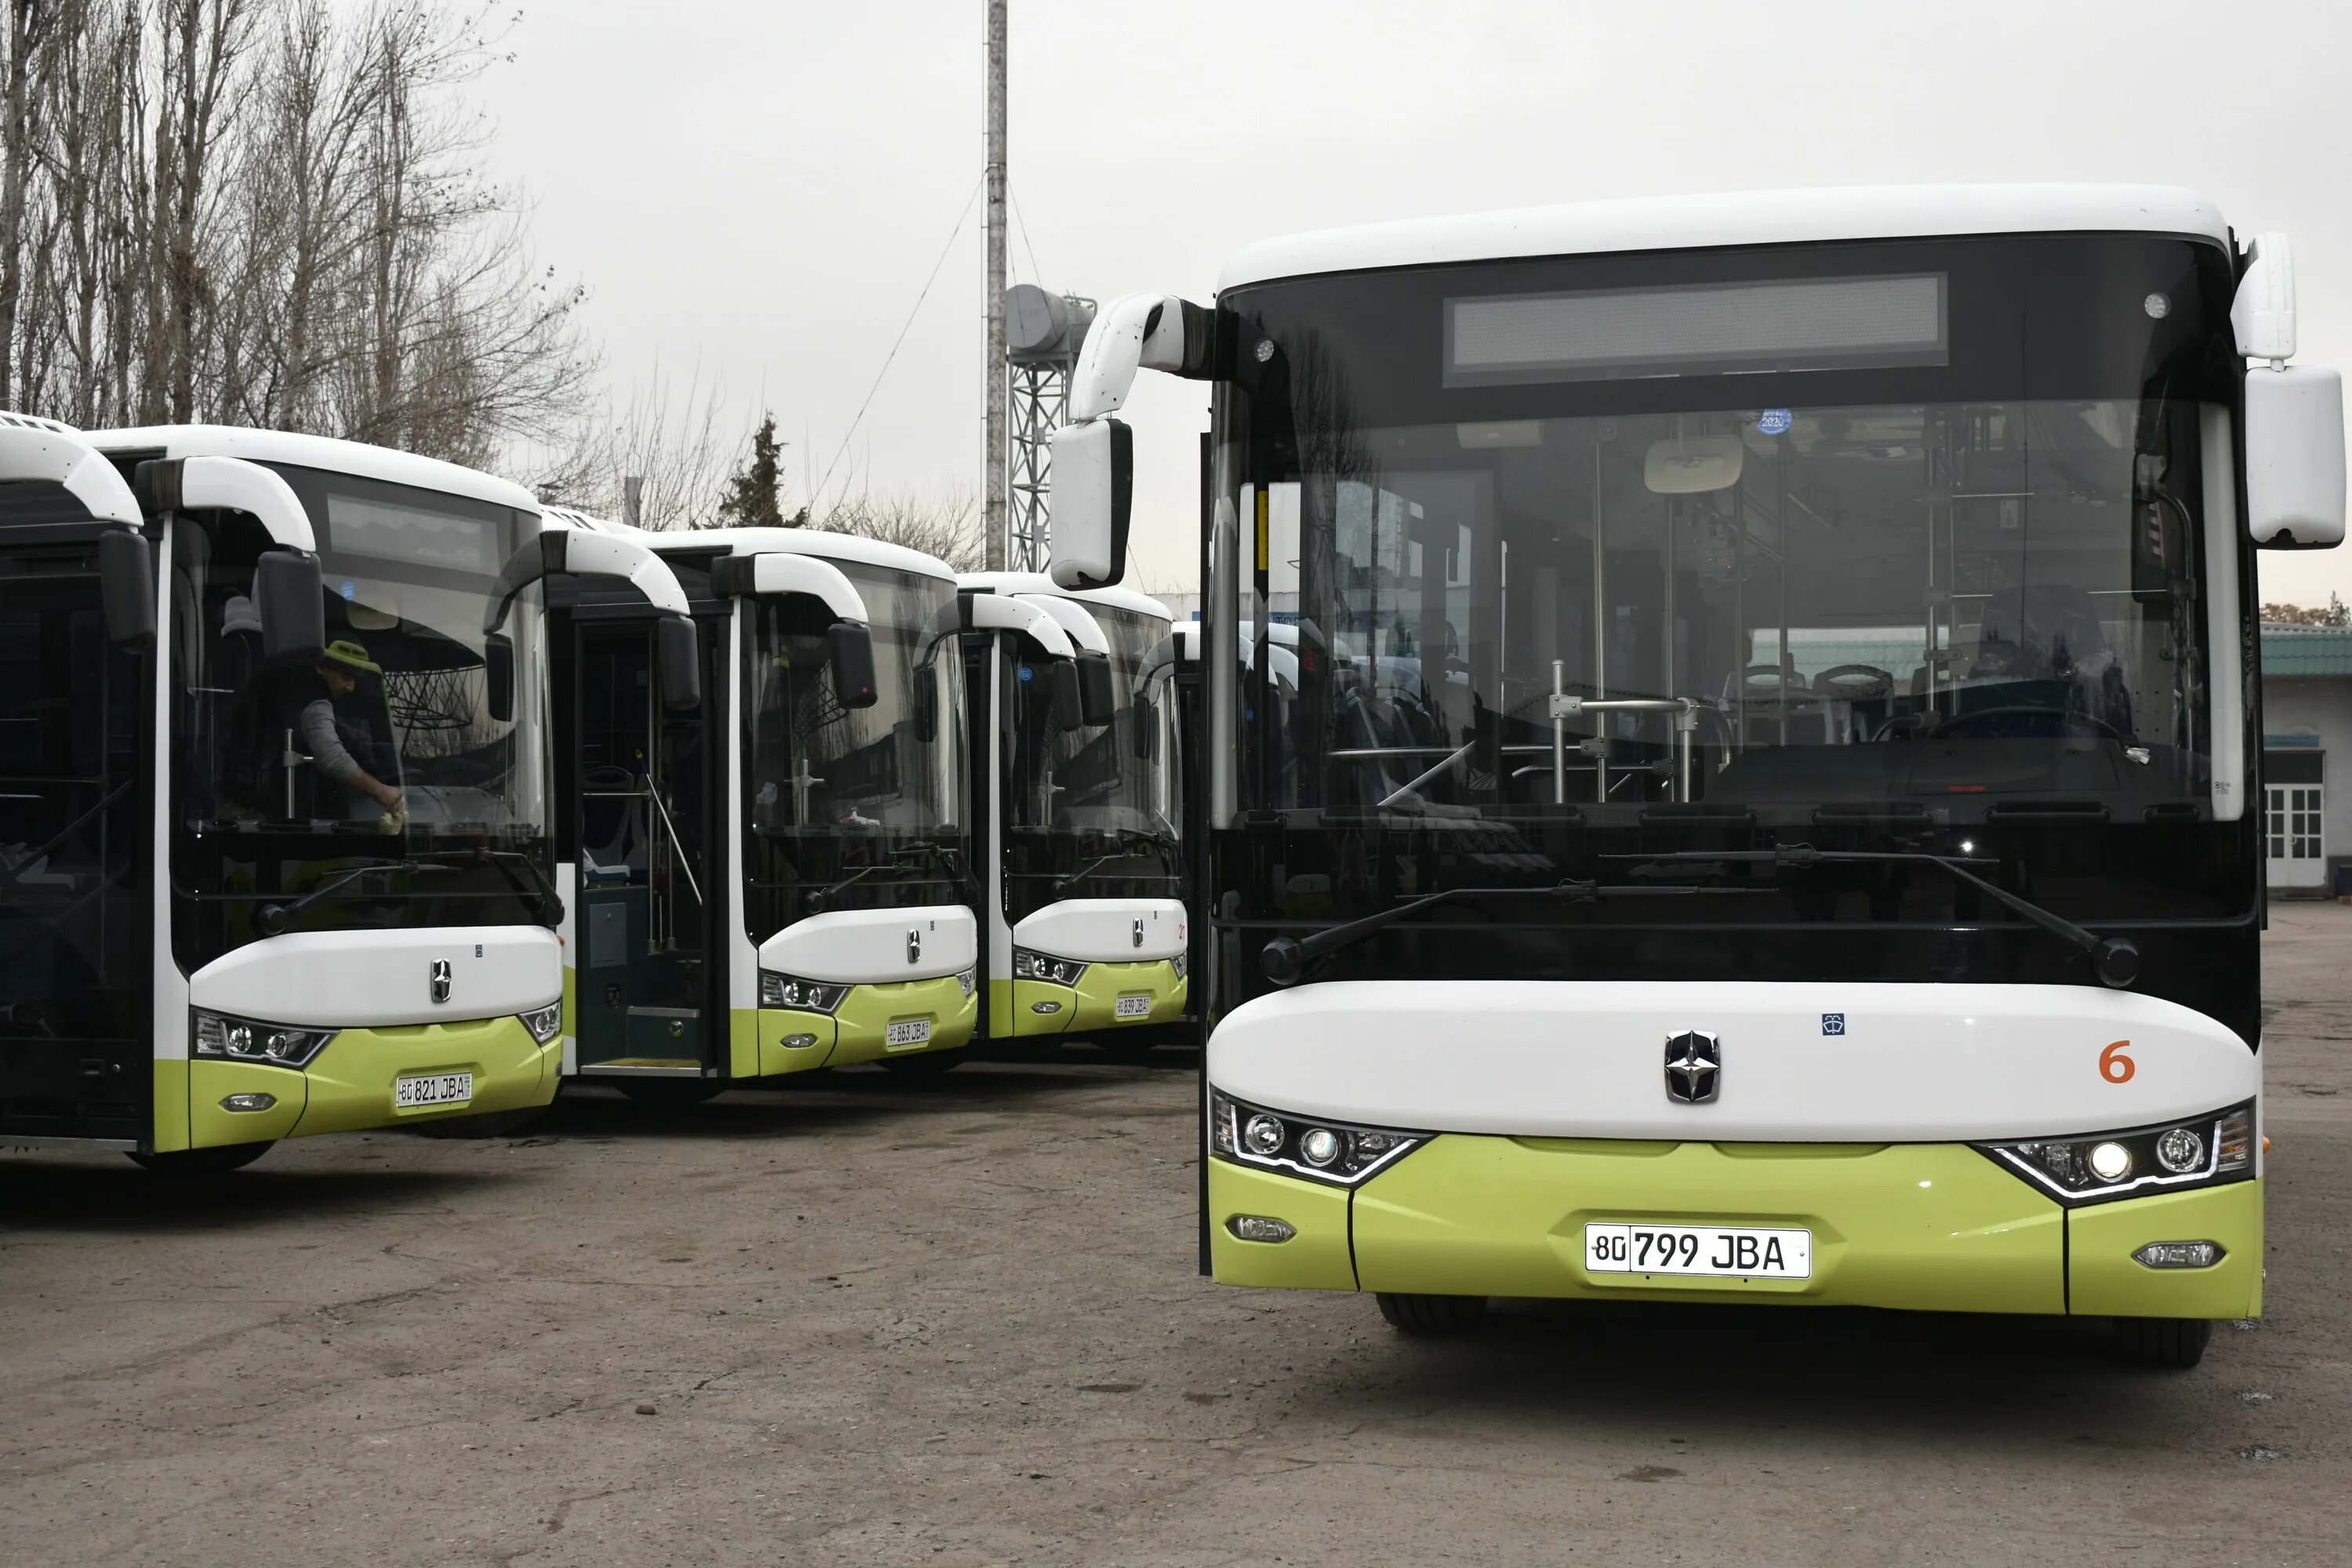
x=1433, y=1317
x=217, y=1162
x=2165, y=1342
x=670, y=1093
x=923, y=1064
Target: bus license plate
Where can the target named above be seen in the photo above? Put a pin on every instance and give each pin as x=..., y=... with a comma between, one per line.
x=432, y=1089
x=913, y=1032
x=1133, y=1007
x=1715, y=1251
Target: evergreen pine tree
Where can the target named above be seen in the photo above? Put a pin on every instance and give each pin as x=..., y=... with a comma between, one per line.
x=753, y=498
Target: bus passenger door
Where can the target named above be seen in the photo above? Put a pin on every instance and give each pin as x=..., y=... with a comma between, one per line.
x=643, y=922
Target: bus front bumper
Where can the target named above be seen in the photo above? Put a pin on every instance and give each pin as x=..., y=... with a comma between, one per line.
x=1927, y=1227
x=1152, y=993
x=859, y=1029
x=352, y=1084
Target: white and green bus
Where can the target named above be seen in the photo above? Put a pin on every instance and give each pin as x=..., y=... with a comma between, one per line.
x=1764, y=812
x=274, y=790
x=1075, y=778
x=773, y=877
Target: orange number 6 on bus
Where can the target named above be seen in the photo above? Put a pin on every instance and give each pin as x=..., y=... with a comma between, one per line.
x=2116, y=1067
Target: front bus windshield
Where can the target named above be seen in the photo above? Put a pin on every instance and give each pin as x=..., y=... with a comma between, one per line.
x=391, y=756
x=1885, y=546
x=834, y=794
x=1091, y=812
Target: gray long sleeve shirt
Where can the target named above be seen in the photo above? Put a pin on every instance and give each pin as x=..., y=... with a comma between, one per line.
x=326, y=746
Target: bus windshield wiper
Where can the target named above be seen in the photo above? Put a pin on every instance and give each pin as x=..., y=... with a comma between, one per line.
x=1129, y=838
x=270, y=919
x=2113, y=959
x=817, y=898
x=538, y=889
x=1284, y=960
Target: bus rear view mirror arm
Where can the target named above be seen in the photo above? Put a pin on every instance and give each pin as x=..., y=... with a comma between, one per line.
x=2295, y=414
x=1094, y=455
x=560, y=551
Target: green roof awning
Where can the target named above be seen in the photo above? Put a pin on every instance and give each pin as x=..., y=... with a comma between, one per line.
x=2306, y=650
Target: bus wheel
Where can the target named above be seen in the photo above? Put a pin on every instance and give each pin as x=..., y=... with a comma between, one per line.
x=923, y=1064
x=1433, y=1317
x=2165, y=1342
x=488, y=1124
x=204, y=1161
x=671, y=1093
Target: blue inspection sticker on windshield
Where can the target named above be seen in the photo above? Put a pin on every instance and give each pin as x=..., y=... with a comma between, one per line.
x=1832, y=1023
x=351, y=590
x=1773, y=421
x=1028, y=674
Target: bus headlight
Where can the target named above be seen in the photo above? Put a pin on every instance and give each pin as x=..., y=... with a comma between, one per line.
x=1028, y=965
x=2201, y=1151
x=800, y=995
x=1180, y=963
x=220, y=1037
x=968, y=979
x=1339, y=1152
x=544, y=1023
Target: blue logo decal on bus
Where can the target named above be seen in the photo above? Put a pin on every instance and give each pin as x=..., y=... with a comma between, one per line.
x=350, y=589
x=1832, y=1023
x=1775, y=421
x=1028, y=674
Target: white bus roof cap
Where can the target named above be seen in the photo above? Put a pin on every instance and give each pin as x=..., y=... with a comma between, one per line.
x=323, y=452
x=1126, y=599
x=854, y=548
x=1731, y=218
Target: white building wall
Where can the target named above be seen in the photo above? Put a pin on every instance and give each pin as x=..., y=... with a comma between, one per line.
x=2297, y=708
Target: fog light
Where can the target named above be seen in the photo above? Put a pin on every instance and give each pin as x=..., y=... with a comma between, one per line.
x=799, y=1042
x=2179, y=1255
x=2110, y=1162
x=1259, y=1227
x=1044, y=1007
x=249, y=1101
x=2181, y=1151
x=1264, y=1135
x=1319, y=1147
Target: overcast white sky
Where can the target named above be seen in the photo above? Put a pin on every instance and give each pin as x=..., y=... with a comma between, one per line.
x=755, y=189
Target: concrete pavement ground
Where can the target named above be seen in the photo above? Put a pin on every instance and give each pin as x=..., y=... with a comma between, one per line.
x=867, y=1321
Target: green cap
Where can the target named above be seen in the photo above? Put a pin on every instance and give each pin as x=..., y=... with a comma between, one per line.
x=346, y=652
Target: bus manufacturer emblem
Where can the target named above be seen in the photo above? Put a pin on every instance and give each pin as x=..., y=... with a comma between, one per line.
x=1693, y=1066
x=1138, y=934
x=915, y=946
x=440, y=980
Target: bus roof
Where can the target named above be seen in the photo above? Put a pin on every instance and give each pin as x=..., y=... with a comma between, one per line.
x=322, y=452
x=1731, y=218
x=1126, y=599
x=854, y=548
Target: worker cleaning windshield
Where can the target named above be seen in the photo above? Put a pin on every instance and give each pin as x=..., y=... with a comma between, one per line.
x=348, y=736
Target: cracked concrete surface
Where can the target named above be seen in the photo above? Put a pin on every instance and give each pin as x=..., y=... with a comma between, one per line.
x=958, y=1323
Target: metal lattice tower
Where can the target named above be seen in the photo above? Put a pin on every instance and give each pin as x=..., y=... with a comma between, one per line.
x=1042, y=335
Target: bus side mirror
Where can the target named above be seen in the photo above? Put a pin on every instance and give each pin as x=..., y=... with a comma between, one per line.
x=1094, y=491
x=126, y=588
x=497, y=675
x=2295, y=456
x=850, y=651
x=1097, y=704
x=678, y=647
x=1069, y=706
x=291, y=605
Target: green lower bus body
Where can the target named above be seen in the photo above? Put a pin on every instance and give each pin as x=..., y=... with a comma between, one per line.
x=857, y=1031
x=1036, y=1007
x=348, y=1086
x=1927, y=1227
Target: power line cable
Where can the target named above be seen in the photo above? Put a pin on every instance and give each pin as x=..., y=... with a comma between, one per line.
x=1024, y=235
x=901, y=338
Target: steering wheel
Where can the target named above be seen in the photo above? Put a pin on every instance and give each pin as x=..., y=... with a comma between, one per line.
x=1853, y=682
x=1973, y=725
